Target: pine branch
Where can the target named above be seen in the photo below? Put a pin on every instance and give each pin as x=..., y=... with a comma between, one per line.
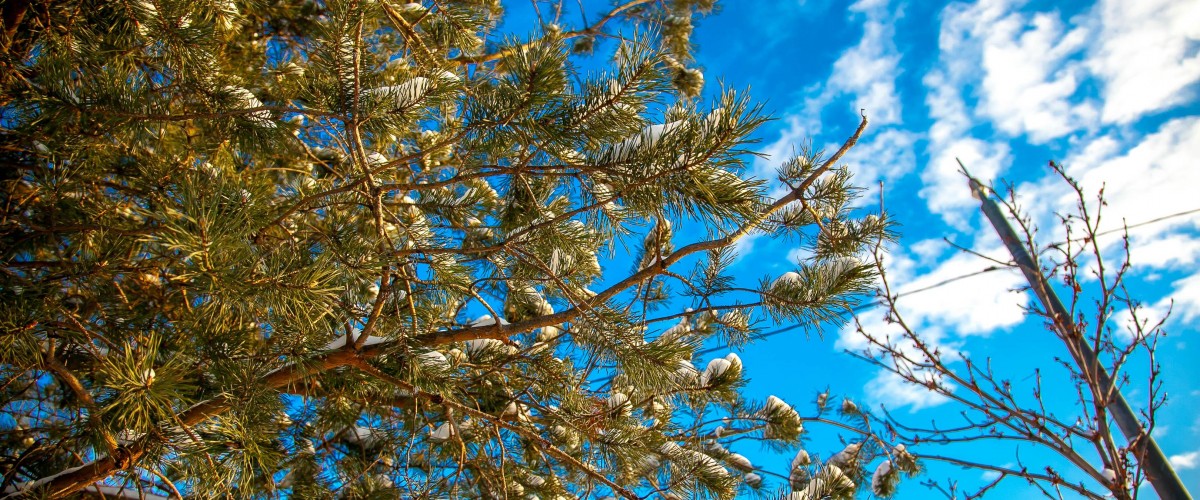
x=594, y=29
x=74, y=480
x=545, y=444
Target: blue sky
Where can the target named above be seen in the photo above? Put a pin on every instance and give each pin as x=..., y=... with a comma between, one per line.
x=1108, y=88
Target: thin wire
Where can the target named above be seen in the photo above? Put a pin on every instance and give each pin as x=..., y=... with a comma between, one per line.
x=1140, y=224
x=868, y=305
x=952, y=280
x=863, y=307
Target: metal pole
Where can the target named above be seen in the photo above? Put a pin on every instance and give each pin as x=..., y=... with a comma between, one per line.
x=1154, y=463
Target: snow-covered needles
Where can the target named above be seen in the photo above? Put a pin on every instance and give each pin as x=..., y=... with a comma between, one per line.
x=405, y=95
x=722, y=371
x=689, y=147
x=700, y=465
x=820, y=291
x=244, y=99
x=415, y=92
x=782, y=421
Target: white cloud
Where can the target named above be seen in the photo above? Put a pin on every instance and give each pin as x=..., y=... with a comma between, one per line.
x=946, y=191
x=1029, y=78
x=946, y=107
x=1028, y=82
x=1143, y=180
x=885, y=157
x=866, y=74
x=1126, y=327
x=976, y=306
x=1146, y=56
x=891, y=390
x=868, y=5
x=927, y=250
x=992, y=475
x=868, y=70
x=798, y=254
x=745, y=245
x=1164, y=251
x=1185, y=460
x=782, y=149
x=961, y=25
x=1010, y=72
x=1155, y=177
x=1184, y=300
x=1029, y=87
x=961, y=43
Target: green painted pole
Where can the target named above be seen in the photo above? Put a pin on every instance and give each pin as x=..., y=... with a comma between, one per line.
x=1154, y=463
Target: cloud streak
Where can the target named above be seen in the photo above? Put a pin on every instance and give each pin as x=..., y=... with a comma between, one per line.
x=866, y=72
x=1145, y=56
x=1185, y=461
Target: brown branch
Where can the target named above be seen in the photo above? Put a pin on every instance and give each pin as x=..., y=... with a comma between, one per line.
x=545, y=444
x=72, y=382
x=498, y=331
x=594, y=29
x=1023, y=473
x=65, y=483
x=836, y=156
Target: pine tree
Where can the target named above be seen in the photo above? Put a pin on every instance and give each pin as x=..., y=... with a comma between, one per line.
x=358, y=249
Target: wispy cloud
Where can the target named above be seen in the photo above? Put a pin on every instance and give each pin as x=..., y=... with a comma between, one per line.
x=1146, y=56
x=781, y=149
x=1029, y=79
x=863, y=77
x=961, y=50
x=1035, y=67
x=885, y=156
x=889, y=389
x=975, y=307
x=1184, y=299
x=950, y=140
x=1162, y=164
x=1166, y=251
x=1033, y=87
x=866, y=72
x=945, y=189
x=1143, y=179
x=992, y=475
x=1006, y=73
x=1185, y=461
